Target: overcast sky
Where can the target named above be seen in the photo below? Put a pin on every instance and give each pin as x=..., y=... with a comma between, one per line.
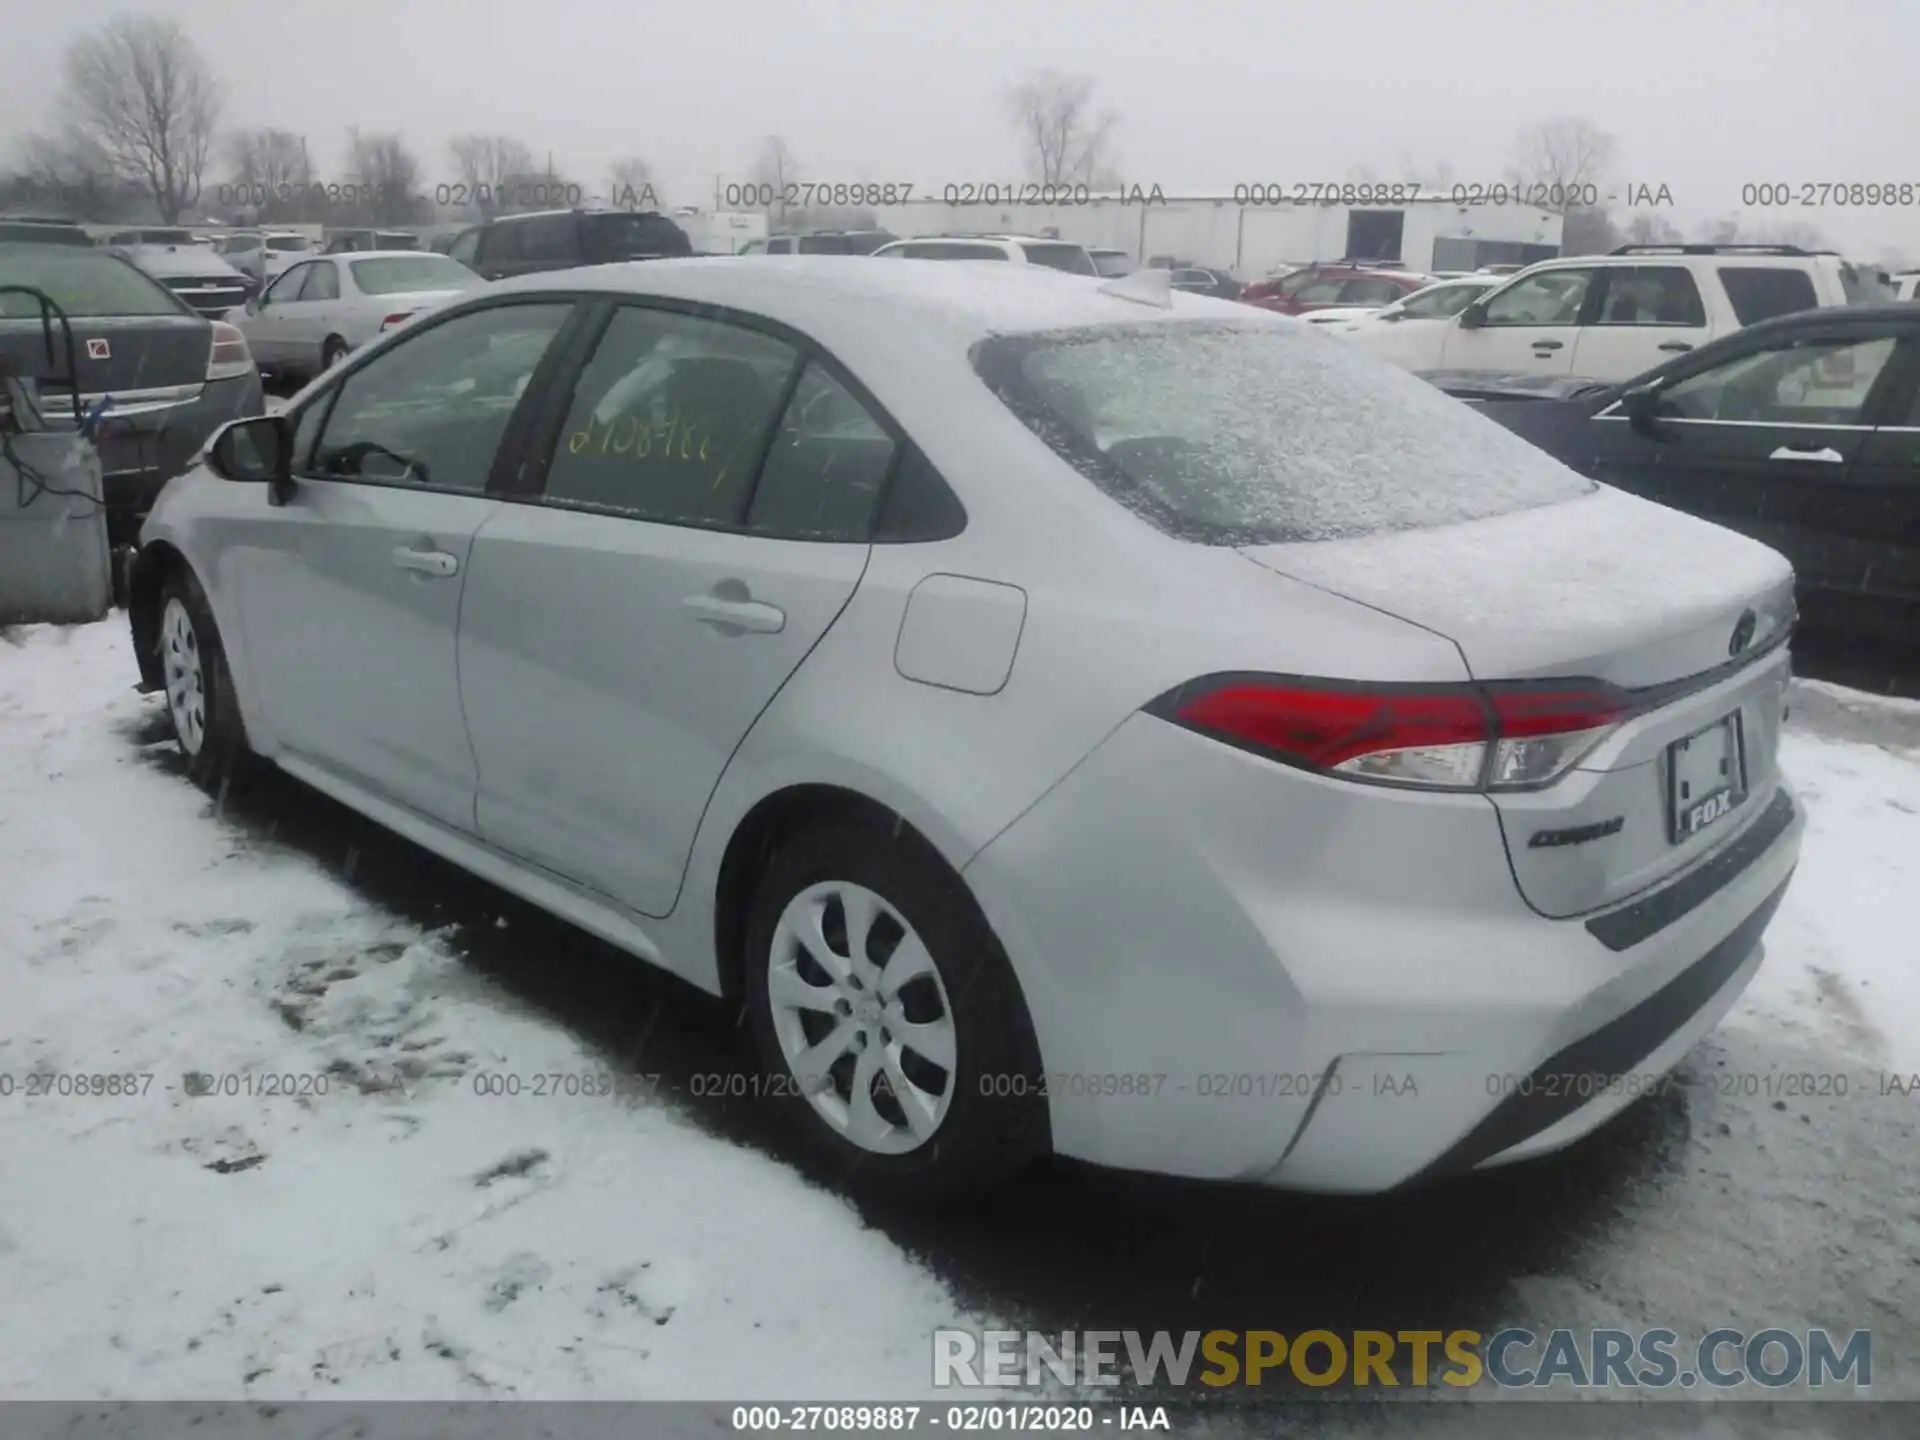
x=1704, y=95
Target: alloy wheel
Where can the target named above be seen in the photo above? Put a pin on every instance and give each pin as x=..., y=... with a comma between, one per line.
x=185, y=676
x=862, y=1017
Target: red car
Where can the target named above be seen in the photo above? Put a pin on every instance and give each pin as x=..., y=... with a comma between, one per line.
x=1341, y=282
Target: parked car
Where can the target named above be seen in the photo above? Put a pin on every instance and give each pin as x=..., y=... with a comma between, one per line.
x=166, y=376
x=264, y=255
x=314, y=314
x=163, y=235
x=1205, y=280
x=560, y=239
x=1615, y=316
x=1111, y=263
x=342, y=242
x=195, y=273
x=1802, y=431
x=1017, y=249
x=1358, y=284
x=821, y=242
x=794, y=639
x=1439, y=302
x=42, y=230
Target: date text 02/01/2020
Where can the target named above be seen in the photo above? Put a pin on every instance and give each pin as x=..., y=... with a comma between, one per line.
x=453, y=195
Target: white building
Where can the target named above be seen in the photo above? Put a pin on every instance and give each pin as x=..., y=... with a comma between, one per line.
x=1251, y=240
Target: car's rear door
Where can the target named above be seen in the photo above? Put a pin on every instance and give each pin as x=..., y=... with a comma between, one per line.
x=1873, y=599
x=350, y=592
x=1771, y=442
x=624, y=627
x=1644, y=316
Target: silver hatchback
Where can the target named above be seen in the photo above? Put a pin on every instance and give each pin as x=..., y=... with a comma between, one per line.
x=1069, y=715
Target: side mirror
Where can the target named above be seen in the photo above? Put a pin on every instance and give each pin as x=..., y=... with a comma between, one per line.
x=256, y=451
x=1391, y=315
x=1642, y=405
x=1473, y=317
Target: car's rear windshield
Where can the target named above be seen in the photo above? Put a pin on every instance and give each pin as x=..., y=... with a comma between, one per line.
x=1112, y=263
x=44, y=234
x=394, y=274
x=634, y=237
x=288, y=244
x=396, y=240
x=84, y=283
x=1248, y=434
x=1070, y=258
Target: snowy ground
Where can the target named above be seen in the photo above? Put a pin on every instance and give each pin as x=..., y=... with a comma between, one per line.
x=403, y=1235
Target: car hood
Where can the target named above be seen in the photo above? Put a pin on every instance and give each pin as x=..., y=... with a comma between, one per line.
x=1513, y=385
x=163, y=260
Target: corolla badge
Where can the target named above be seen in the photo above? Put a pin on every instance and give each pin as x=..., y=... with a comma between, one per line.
x=1743, y=632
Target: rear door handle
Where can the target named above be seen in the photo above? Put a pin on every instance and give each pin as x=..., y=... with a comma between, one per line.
x=426, y=562
x=1540, y=346
x=1826, y=456
x=1676, y=347
x=731, y=616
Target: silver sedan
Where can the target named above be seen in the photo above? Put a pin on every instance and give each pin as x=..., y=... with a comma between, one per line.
x=1069, y=716
x=318, y=311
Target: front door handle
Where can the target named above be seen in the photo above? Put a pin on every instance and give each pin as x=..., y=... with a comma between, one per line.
x=426, y=562
x=1542, y=346
x=732, y=611
x=1826, y=456
x=1677, y=347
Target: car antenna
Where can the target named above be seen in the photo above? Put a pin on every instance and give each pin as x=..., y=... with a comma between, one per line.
x=1143, y=287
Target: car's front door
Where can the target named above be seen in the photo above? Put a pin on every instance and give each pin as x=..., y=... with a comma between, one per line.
x=1530, y=326
x=269, y=335
x=302, y=324
x=1770, y=443
x=350, y=591
x=624, y=629
x=1644, y=316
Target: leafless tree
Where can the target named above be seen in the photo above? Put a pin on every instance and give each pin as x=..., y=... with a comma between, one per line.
x=1564, y=159
x=1736, y=230
x=1065, y=140
x=385, y=178
x=776, y=167
x=138, y=95
x=630, y=184
x=482, y=164
x=1650, y=228
x=271, y=172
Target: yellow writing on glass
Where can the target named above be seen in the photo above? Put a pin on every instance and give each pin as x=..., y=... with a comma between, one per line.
x=625, y=435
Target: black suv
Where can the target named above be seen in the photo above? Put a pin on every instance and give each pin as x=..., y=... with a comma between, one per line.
x=561, y=239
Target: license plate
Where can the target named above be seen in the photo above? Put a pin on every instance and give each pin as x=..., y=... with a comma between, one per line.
x=1706, y=778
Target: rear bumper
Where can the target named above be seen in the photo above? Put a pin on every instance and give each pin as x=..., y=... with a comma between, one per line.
x=1240, y=973
x=141, y=451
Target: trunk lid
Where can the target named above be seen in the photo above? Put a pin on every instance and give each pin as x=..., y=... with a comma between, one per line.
x=1608, y=586
x=1618, y=589
x=147, y=352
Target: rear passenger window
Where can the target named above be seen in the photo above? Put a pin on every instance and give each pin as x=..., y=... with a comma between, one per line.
x=1760, y=294
x=670, y=418
x=827, y=468
x=1651, y=295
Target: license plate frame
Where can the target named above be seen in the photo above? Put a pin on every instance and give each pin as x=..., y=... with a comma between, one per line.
x=1706, y=778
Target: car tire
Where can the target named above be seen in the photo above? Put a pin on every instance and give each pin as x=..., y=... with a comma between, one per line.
x=201, y=704
x=332, y=353
x=981, y=1114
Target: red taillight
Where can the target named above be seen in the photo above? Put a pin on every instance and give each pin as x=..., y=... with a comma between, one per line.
x=393, y=320
x=228, y=357
x=1469, y=737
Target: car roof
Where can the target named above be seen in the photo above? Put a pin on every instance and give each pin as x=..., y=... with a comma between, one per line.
x=351, y=255
x=837, y=298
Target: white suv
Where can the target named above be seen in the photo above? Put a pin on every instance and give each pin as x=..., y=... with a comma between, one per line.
x=1019, y=249
x=1610, y=317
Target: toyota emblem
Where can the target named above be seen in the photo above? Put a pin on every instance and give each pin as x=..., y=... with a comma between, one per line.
x=1743, y=632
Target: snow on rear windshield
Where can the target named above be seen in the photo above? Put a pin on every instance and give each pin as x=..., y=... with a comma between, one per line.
x=1238, y=434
